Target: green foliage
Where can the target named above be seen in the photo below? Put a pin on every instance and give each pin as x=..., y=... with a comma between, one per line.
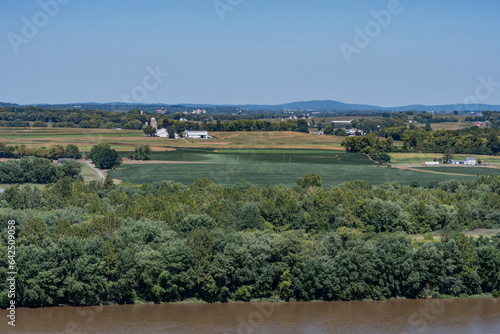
x=55, y=152
x=244, y=293
x=104, y=157
x=149, y=130
x=194, y=222
x=88, y=244
x=285, y=285
x=33, y=170
x=329, y=130
x=341, y=133
x=142, y=152
x=69, y=168
x=429, y=237
x=310, y=180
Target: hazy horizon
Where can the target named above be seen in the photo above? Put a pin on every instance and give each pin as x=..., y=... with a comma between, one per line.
x=382, y=53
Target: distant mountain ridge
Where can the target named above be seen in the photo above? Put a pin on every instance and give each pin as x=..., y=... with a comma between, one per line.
x=314, y=105
x=330, y=105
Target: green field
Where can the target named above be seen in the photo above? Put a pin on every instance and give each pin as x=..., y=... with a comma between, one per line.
x=473, y=171
x=273, y=173
x=285, y=166
x=280, y=156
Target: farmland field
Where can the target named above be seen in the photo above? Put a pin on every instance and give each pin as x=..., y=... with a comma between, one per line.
x=474, y=171
x=274, y=173
x=128, y=140
x=260, y=156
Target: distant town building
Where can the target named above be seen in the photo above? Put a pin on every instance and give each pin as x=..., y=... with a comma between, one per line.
x=154, y=124
x=196, y=134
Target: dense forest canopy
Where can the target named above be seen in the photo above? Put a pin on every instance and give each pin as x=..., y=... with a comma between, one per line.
x=84, y=244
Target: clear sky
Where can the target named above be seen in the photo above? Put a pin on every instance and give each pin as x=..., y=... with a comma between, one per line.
x=249, y=51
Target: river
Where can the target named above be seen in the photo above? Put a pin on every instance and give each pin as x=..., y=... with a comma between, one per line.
x=393, y=316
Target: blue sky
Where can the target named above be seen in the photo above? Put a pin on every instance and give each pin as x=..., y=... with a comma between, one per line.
x=261, y=51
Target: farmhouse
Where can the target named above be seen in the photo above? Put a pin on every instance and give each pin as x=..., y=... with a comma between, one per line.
x=163, y=133
x=196, y=134
x=471, y=161
x=352, y=132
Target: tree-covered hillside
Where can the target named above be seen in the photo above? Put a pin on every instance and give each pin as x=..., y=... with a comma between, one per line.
x=84, y=244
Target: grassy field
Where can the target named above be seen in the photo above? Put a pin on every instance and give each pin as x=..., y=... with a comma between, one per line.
x=89, y=174
x=467, y=170
x=451, y=125
x=260, y=156
x=128, y=140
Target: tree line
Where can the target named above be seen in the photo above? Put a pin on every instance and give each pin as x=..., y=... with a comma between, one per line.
x=11, y=116
x=472, y=140
x=98, y=243
x=54, y=152
x=37, y=170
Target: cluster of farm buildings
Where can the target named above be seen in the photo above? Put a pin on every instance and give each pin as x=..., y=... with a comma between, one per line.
x=163, y=133
x=470, y=161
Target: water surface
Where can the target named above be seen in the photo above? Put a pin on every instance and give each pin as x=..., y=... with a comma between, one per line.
x=393, y=316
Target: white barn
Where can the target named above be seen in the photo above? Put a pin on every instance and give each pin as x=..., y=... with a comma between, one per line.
x=163, y=133
x=196, y=134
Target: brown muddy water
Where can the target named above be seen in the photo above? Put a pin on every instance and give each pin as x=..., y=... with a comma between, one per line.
x=393, y=316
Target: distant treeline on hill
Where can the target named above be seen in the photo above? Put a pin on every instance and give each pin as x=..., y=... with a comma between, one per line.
x=54, y=152
x=472, y=140
x=75, y=118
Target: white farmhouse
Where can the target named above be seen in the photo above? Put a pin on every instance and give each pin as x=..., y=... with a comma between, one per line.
x=471, y=161
x=163, y=133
